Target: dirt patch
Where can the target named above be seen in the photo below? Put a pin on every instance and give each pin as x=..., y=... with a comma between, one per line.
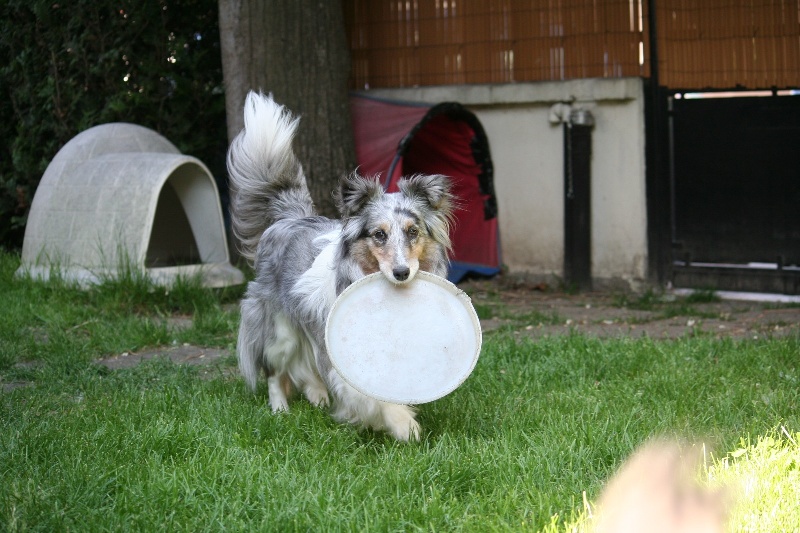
x=536, y=311
x=14, y=385
x=185, y=354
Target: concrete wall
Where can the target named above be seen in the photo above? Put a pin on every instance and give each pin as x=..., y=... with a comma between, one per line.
x=528, y=154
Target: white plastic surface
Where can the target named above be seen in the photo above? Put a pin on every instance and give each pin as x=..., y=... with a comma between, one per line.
x=406, y=344
x=96, y=204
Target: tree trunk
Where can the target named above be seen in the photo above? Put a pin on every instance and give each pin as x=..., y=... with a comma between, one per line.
x=297, y=51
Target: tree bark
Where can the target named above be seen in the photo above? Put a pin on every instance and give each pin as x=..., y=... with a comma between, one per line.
x=296, y=50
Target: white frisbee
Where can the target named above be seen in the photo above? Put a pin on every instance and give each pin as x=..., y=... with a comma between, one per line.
x=406, y=344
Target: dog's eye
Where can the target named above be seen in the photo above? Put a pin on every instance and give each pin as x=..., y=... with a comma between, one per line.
x=379, y=235
x=413, y=232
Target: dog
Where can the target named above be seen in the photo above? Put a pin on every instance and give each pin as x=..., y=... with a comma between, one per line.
x=303, y=261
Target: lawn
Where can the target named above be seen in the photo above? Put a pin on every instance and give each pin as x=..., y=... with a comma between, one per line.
x=538, y=427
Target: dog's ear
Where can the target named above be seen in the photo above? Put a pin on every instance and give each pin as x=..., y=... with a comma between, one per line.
x=434, y=193
x=355, y=191
x=433, y=189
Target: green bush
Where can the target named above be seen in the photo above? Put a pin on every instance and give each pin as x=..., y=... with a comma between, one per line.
x=67, y=67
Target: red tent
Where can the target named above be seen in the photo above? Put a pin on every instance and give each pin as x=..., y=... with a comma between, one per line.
x=396, y=139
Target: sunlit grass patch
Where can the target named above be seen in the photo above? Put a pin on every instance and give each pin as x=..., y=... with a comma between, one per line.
x=763, y=476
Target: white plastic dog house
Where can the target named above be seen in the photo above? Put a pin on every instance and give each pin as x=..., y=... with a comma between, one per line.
x=122, y=196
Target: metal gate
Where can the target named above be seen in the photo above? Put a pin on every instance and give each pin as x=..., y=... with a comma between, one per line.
x=734, y=168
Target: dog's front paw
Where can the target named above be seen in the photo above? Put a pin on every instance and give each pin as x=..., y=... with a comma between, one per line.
x=400, y=422
x=414, y=431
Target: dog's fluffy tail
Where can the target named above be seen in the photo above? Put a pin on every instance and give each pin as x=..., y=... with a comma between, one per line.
x=267, y=182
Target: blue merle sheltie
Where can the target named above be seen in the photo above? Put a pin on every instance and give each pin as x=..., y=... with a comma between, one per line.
x=303, y=261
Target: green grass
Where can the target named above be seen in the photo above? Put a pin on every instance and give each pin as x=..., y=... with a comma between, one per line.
x=663, y=308
x=489, y=306
x=702, y=297
x=60, y=323
x=537, y=424
x=763, y=474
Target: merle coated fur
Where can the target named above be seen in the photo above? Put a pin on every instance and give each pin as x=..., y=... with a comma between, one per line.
x=303, y=261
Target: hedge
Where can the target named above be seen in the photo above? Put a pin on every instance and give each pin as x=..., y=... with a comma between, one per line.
x=65, y=67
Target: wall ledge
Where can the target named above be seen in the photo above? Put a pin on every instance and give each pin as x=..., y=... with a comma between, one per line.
x=543, y=92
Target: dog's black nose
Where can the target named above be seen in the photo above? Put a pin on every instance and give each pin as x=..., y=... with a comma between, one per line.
x=401, y=273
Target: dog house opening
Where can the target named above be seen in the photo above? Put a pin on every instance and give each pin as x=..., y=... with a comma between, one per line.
x=172, y=242
x=185, y=225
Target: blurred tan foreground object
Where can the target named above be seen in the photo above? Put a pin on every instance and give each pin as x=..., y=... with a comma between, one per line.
x=656, y=491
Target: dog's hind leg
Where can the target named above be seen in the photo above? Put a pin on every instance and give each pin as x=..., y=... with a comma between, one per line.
x=304, y=372
x=253, y=331
x=280, y=353
x=261, y=347
x=316, y=393
x=291, y=356
x=280, y=389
